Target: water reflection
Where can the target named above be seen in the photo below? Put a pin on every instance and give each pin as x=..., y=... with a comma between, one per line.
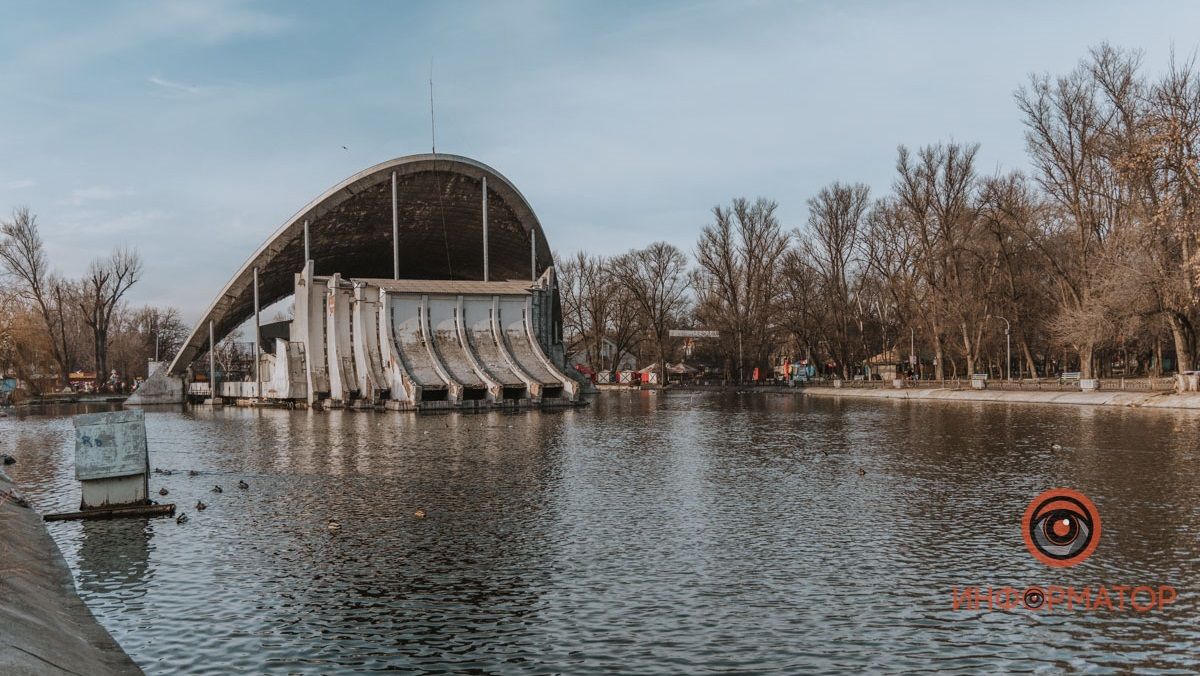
x=114, y=557
x=646, y=533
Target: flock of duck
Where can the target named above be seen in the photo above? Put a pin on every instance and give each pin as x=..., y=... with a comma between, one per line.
x=200, y=506
x=331, y=525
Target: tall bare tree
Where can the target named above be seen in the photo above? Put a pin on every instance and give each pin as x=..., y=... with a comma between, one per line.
x=101, y=290
x=23, y=257
x=936, y=193
x=1069, y=122
x=835, y=222
x=656, y=279
x=741, y=255
x=597, y=309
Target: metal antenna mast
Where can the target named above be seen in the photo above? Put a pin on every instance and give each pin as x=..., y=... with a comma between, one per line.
x=432, y=124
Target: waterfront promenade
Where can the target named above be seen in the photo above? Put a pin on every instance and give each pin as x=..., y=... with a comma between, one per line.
x=1132, y=399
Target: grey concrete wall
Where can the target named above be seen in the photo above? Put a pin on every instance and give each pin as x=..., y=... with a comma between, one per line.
x=443, y=325
x=477, y=328
x=407, y=318
x=367, y=358
x=159, y=388
x=44, y=626
x=1098, y=398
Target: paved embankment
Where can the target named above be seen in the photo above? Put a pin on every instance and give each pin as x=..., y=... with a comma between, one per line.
x=44, y=626
x=1097, y=398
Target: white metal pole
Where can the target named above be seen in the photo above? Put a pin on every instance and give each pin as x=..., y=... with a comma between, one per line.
x=212, y=363
x=307, y=257
x=257, y=340
x=485, y=231
x=395, y=231
x=533, y=253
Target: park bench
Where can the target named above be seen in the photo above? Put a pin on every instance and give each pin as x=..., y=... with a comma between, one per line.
x=1069, y=377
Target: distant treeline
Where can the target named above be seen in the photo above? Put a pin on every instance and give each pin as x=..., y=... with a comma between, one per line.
x=1091, y=260
x=52, y=325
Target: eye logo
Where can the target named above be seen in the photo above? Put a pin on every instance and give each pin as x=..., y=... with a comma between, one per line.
x=1061, y=527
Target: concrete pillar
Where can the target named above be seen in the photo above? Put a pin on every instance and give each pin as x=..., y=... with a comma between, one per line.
x=257, y=340
x=533, y=253
x=395, y=231
x=307, y=256
x=485, y=231
x=212, y=363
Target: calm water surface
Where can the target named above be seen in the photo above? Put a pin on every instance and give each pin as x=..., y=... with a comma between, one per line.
x=644, y=534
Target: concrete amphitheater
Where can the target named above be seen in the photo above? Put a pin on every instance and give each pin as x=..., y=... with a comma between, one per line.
x=422, y=282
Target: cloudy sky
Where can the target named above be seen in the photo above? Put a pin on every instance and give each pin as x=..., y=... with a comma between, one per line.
x=192, y=130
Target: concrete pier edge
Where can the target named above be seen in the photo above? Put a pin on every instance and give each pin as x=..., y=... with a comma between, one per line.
x=1157, y=400
x=45, y=628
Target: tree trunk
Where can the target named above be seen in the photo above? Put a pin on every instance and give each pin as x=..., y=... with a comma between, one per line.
x=101, y=361
x=966, y=338
x=939, y=372
x=1185, y=341
x=1028, y=356
x=1085, y=360
x=1158, y=358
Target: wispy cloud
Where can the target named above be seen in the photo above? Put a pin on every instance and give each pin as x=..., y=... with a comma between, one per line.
x=87, y=230
x=173, y=87
x=137, y=25
x=96, y=193
x=210, y=21
x=20, y=184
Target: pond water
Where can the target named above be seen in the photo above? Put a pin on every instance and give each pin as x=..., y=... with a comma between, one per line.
x=646, y=533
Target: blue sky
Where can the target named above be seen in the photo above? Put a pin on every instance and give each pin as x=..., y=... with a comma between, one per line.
x=192, y=130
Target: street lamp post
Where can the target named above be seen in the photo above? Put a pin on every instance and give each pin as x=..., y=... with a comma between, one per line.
x=912, y=347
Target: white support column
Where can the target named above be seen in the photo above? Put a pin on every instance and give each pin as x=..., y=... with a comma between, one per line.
x=395, y=231
x=533, y=254
x=307, y=256
x=257, y=341
x=212, y=363
x=485, y=231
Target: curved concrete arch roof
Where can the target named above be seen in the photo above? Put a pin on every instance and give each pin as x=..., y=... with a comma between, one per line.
x=439, y=200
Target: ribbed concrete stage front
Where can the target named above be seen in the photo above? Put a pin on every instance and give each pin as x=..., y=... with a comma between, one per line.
x=423, y=282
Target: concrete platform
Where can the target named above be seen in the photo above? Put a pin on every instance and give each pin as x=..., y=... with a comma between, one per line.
x=1164, y=400
x=44, y=626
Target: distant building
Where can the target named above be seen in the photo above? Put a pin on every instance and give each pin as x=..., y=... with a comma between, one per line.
x=82, y=380
x=608, y=350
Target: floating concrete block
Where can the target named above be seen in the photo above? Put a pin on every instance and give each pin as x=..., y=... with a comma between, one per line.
x=111, y=459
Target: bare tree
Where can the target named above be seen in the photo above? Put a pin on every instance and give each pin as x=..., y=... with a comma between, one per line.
x=656, y=280
x=101, y=290
x=1068, y=123
x=597, y=309
x=144, y=334
x=23, y=257
x=935, y=192
x=1010, y=213
x=835, y=221
x=586, y=290
x=739, y=283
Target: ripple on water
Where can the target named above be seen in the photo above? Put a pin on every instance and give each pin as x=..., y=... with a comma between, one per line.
x=679, y=533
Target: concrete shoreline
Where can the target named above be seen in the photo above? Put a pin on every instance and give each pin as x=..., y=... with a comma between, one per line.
x=45, y=628
x=1161, y=400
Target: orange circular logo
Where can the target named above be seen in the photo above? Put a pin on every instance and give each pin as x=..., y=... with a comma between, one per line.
x=1061, y=527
